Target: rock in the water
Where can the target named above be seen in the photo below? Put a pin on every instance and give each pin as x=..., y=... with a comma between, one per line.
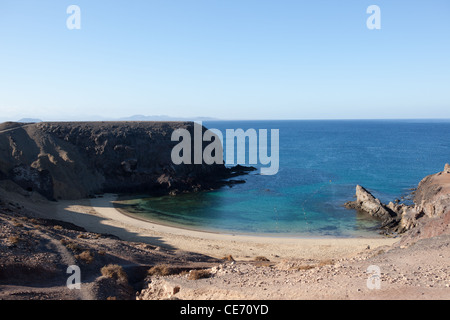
x=431, y=207
x=366, y=202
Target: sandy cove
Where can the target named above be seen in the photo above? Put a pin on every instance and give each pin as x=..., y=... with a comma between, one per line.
x=99, y=215
x=37, y=246
x=298, y=268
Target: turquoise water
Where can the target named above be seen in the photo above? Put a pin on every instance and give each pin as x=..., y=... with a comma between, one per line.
x=320, y=164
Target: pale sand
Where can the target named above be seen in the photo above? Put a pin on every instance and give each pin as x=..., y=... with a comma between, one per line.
x=99, y=215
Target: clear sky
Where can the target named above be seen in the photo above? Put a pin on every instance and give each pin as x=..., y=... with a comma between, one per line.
x=228, y=59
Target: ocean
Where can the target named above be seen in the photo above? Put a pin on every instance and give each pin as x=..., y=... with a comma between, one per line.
x=320, y=164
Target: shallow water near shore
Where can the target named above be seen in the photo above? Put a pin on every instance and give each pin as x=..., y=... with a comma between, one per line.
x=321, y=162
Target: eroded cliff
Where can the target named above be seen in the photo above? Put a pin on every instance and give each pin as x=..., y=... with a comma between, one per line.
x=71, y=160
x=429, y=216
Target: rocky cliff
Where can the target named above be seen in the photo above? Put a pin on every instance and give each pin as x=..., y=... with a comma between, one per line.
x=367, y=203
x=428, y=216
x=78, y=159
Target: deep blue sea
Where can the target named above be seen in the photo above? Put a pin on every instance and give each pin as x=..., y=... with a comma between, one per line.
x=321, y=162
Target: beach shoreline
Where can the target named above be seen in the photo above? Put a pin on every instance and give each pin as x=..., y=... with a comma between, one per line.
x=100, y=215
x=363, y=235
x=260, y=267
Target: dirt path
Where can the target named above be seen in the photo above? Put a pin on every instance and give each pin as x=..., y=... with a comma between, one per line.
x=16, y=128
x=67, y=259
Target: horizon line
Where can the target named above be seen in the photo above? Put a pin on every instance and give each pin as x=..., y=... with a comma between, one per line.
x=210, y=119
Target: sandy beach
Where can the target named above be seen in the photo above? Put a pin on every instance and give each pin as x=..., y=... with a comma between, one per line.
x=100, y=215
x=322, y=268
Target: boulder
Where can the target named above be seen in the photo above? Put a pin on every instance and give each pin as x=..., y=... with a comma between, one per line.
x=129, y=165
x=426, y=228
x=159, y=289
x=447, y=168
x=432, y=197
x=367, y=203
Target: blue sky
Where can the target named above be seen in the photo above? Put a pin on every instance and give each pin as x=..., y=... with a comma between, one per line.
x=228, y=59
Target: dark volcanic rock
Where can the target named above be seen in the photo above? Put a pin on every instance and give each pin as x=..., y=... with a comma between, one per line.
x=71, y=160
x=240, y=170
x=32, y=179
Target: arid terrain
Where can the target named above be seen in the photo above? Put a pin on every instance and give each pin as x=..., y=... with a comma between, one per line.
x=124, y=258
x=36, y=251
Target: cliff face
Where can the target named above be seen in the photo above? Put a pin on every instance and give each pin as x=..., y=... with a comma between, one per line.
x=429, y=216
x=77, y=159
x=432, y=197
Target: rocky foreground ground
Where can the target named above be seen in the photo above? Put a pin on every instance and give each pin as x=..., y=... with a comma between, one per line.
x=418, y=271
x=35, y=254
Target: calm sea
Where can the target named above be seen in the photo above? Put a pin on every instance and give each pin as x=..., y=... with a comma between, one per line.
x=321, y=162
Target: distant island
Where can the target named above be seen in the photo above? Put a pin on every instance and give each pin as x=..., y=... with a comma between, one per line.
x=136, y=117
x=164, y=118
x=29, y=120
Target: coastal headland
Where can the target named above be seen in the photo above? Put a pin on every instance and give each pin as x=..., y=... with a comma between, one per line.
x=58, y=185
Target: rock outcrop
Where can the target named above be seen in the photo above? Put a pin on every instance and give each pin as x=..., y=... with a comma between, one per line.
x=432, y=197
x=447, y=168
x=367, y=203
x=429, y=215
x=72, y=160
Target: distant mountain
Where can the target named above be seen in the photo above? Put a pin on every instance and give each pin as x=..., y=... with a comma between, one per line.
x=29, y=120
x=140, y=117
x=137, y=117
